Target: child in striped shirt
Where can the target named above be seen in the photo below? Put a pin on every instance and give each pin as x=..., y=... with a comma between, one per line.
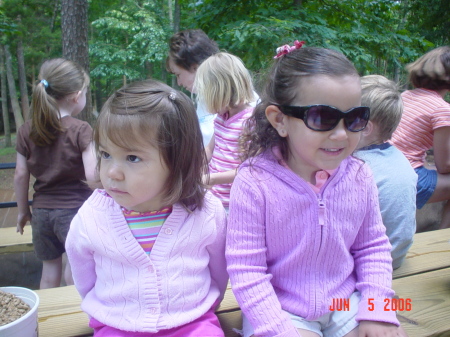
x=148, y=251
x=225, y=86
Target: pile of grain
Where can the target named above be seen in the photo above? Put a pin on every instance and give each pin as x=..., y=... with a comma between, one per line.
x=11, y=308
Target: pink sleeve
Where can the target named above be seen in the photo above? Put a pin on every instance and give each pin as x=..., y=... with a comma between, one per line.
x=440, y=117
x=80, y=256
x=247, y=266
x=217, y=262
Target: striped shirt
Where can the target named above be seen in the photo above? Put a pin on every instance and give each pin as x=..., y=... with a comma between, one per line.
x=145, y=227
x=225, y=156
x=423, y=112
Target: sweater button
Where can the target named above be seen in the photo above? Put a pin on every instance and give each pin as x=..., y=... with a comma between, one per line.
x=153, y=311
x=150, y=269
x=168, y=231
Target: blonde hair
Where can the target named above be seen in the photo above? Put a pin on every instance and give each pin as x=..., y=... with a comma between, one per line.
x=432, y=70
x=383, y=98
x=222, y=81
x=151, y=112
x=58, y=78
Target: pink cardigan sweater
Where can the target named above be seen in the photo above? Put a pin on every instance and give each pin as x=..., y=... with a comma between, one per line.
x=184, y=276
x=292, y=249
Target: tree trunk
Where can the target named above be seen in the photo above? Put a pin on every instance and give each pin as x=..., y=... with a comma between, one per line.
x=5, y=111
x=98, y=97
x=176, y=16
x=12, y=90
x=24, y=103
x=55, y=12
x=169, y=3
x=74, y=28
x=148, y=66
x=176, y=28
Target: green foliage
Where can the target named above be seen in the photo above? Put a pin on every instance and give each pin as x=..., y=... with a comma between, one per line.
x=7, y=27
x=126, y=38
x=37, y=23
x=368, y=32
x=430, y=18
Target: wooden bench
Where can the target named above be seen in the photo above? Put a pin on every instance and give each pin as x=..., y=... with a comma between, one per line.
x=13, y=242
x=424, y=278
x=60, y=314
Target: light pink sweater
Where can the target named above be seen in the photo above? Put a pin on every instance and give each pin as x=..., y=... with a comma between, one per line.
x=122, y=287
x=292, y=249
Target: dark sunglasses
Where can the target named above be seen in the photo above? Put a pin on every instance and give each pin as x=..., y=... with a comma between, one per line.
x=325, y=118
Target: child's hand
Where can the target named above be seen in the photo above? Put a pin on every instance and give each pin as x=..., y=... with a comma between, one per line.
x=22, y=220
x=380, y=329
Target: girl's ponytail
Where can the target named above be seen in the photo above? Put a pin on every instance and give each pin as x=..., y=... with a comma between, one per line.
x=58, y=78
x=45, y=117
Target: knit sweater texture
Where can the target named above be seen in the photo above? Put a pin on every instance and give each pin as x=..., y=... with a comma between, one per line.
x=123, y=287
x=291, y=249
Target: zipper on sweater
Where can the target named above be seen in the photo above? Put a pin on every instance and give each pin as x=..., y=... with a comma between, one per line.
x=321, y=211
x=321, y=214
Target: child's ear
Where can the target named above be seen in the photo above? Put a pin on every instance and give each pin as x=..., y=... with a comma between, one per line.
x=77, y=96
x=368, y=129
x=73, y=98
x=277, y=119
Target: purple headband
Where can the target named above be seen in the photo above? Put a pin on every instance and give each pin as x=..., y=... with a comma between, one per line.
x=286, y=49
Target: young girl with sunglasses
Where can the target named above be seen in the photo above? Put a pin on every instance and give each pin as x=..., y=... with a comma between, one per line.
x=305, y=236
x=148, y=250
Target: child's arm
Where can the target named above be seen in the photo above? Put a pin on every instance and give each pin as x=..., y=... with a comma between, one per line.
x=247, y=262
x=220, y=178
x=379, y=329
x=21, y=186
x=210, y=148
x=90, y=166
x=441, y=149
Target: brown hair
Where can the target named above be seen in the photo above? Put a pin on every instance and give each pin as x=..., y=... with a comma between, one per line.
x=432, y=70
x=57, y=79
x=189, y=48
x=282, y=87
x=154, y=113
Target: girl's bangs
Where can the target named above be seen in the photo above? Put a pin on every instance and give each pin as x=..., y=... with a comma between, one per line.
x=128, y=131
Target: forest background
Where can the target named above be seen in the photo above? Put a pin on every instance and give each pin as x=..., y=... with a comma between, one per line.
x=119, y=41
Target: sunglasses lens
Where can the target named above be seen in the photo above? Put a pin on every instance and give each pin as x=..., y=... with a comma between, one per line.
x=322, y=118
x=356, y=119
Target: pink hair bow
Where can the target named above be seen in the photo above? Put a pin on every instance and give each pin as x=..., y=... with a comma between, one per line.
x=286, y=49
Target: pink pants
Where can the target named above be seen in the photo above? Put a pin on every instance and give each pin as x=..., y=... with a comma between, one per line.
x=205, y=326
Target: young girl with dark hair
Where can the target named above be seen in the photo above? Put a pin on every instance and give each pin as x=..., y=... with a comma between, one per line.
x=148, y=250
x=304, y=230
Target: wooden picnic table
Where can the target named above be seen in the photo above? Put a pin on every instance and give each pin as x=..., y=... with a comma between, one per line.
x=424, y=278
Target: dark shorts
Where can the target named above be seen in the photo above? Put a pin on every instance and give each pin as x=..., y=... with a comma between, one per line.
x=426, y=184
x=50, y=228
